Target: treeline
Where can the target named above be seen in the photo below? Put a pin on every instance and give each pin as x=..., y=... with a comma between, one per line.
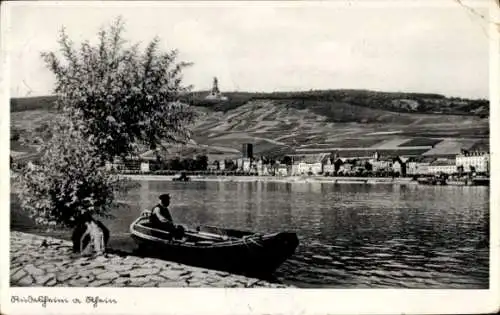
x=200, y=163
x=393, y=101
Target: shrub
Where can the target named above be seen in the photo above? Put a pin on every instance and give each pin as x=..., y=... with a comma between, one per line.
x=69, y=181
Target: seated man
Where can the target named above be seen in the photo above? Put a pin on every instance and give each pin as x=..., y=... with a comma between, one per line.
x=161, y=219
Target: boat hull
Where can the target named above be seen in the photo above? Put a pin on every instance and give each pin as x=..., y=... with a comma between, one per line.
x=481, y=181
x=250, y=254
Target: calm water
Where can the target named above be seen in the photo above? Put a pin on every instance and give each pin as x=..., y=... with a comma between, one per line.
x=350, y=235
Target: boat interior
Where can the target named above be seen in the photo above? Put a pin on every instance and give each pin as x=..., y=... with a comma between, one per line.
x=201, y=235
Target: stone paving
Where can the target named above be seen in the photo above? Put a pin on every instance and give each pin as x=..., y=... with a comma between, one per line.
x=45, y=261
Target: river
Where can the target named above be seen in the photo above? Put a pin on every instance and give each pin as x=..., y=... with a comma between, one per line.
x=351, y=235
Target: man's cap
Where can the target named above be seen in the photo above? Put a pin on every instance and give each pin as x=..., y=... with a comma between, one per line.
x=164, y=196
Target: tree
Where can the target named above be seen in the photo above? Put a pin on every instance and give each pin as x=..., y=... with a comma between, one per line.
x=368, y=166
x=338, y=163
x=69, y=181
x=188, y=164
x=111, y=100
x=287, y=160
x=230, y=165
x=125, y=98
x=202, y=162
x=175, y=164
x=216, y=165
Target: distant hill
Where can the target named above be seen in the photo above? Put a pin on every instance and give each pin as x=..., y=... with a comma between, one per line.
x=32, y=103
x=324, y=99
x=278, y=123
x=320, y=101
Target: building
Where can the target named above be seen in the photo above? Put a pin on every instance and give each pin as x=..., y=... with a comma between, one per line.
x=281, y=170
x=412, y=168
x=308, y=164
x=423, y=168
x=381, y=164
x=247, y=150
x=222, y=165
x=399, y=166
x=442, y=166
x=262, y=169
x=145, y=167
x=244, y=164
x=328, y=166
x=346, y=168
x=418, y=166
x=214, y=166
x=476, y=161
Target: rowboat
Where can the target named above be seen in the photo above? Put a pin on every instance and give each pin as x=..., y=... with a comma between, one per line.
x=431, y=181
x=182, y=178
x=480, y=181
x=216, y=248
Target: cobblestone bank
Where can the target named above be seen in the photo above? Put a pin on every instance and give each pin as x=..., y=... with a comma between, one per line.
x=45, y=261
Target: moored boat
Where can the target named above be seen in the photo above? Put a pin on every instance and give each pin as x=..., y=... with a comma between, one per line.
x=216, y=248
x=456, y=182
x=426, y=181
x=480, y=181
x=432, y=180
x=182, y=178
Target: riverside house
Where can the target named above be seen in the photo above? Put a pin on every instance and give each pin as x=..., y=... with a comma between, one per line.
x=262, y=169
x=399, y=165
x=214, y=166
x=281, y=170
x=346, y=168
x=442, y=166
x=244, y=164
x=381, y=164
x=412, y=167
x=328, y=166
x=419, y=166
x=222, y=165
x=478, y=161
x=311, y=164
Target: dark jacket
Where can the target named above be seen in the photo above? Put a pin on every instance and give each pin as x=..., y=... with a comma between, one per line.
x=177, y=232
x=164, y=212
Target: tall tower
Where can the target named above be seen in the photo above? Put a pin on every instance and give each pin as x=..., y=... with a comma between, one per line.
x=247, y=150
x=215, y=87
x=215, y=94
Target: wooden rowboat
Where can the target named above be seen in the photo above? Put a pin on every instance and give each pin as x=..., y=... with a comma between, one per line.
x=216, y=248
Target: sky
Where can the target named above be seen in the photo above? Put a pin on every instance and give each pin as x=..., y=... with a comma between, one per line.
x=266, y=46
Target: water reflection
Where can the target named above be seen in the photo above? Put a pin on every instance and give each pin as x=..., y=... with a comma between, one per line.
x=352, y=235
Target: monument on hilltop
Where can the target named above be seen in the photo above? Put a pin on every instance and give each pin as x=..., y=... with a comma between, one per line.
x=215, y=94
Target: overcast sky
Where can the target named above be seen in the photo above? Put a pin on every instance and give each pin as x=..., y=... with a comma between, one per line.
x=266, y=47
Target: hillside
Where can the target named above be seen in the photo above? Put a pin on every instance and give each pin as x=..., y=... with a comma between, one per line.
x=323, y=100
x=279, y=122
x=396, y=102
x=270, y=124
